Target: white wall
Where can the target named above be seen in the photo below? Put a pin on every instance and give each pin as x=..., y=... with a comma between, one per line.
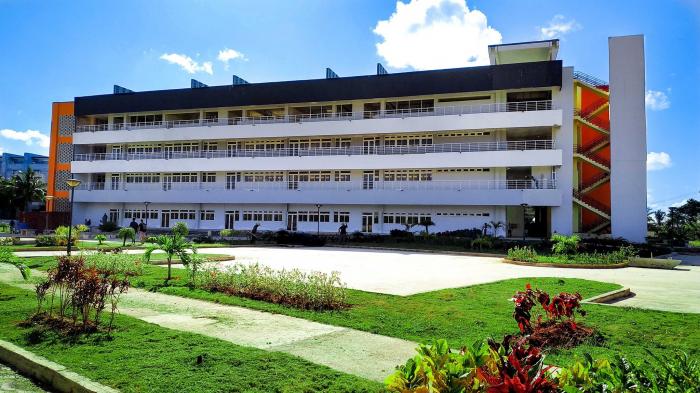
x=562, y=215
x=628, y=186
x=477, y=121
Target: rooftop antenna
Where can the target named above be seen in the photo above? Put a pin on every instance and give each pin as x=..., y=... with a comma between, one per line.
x=237, y=80
x=121, y=90
x=381, y=70
x=195, y=84
x=330, y=74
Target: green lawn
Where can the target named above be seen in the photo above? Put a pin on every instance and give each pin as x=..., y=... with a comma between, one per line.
x=464, y=315
x=155, y=359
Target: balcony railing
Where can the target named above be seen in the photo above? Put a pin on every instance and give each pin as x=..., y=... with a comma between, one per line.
x=378, y=185
x=524, y=106
x=546, y=144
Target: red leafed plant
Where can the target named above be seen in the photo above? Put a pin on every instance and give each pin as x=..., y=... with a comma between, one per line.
x=559, y=330
x=519, y=369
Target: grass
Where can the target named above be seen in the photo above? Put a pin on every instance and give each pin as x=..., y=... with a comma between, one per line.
x=465, y=315
x=108, y=245
x=155, y=359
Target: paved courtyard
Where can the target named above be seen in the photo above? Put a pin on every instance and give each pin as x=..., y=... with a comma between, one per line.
x=407, y=273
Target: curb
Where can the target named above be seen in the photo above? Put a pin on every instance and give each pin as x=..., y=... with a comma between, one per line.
x=53, y=375
x=567, y=266
x=608, y=297
x=446, y=252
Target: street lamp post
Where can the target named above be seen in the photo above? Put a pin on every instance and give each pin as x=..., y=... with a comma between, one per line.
x=48, y=199
x=318, y=219
x=524, y=205
x=146, y=203
x=72, y=184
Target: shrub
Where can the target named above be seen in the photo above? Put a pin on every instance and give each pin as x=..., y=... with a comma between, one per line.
x=311, y=291
x=9, y=241
x=299, y=238
x=4, y=227
x=46, y=241
x=126, y=233
x=565, y=244
x=524, y=253
x=122, y=265
x=482, y=242
x=61, y=234
x=80, y=291
x=100, y=238
x=226, y=233
x=400, y=233
x=174, y=244
x=108, y=226
x=202, y=238
x=694, y=243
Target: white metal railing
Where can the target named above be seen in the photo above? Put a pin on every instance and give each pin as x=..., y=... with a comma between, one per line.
x=524, y=106
x=546, y=144
x=293, y=186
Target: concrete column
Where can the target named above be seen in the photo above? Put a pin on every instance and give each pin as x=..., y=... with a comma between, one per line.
x=562, y=216
x=628, y=177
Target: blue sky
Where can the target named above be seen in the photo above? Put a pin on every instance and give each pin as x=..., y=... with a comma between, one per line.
x=53, y=51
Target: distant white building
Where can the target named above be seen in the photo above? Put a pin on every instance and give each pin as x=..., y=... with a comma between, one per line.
x=465, y=147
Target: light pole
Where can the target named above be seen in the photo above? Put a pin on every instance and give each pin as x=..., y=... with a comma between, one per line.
x=318, y=219
x=146, y=203
x=72, y=184
x=48, y=199
x=524, y=205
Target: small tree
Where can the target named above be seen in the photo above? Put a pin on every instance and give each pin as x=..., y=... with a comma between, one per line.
x=565, y=244
x=426, y=222
x=101, y=238
x=496, y=225
x=174, y=244
x=126, y=233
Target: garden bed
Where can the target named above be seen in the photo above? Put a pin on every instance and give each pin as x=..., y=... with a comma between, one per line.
x=568, y=265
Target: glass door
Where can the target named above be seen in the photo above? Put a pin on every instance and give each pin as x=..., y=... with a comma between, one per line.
x=230, y=219
x=292, y=221
x=293, y=181
x=367, y=222
x=368, y=178
x=167, y=182
x=115, y=180
x=165, y=219
x=370, y=145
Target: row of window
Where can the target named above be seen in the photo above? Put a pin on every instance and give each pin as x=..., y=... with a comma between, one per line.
x=409, y=175
x=463, y=214
x=405, y=218
x=262, y=215
x=139, y=214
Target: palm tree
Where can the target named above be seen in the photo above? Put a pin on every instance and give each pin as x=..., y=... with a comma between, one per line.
x=426, y=222
x=27, y=188
x=496, y=225
x=175, y=244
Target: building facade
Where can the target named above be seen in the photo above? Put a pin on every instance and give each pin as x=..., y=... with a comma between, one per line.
x=524, y=141
x=12, y=164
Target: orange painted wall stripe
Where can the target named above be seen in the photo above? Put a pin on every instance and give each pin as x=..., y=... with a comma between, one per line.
x=57, y=109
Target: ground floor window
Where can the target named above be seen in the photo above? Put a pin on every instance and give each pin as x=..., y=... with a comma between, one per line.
x=206, y=215
x=343, y=217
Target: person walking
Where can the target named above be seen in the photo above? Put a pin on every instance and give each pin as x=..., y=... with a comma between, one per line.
x=343, y=233
x=142, y=231
x=135, y=226
x=253, y=233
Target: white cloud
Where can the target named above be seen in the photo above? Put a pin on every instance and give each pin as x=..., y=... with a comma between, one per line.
x=557, y=27
x=431, y=34
x=657, y=100
x=2, y=150
x=187, y=64
x=226, y=55
x=658, y=161
x=29, y=137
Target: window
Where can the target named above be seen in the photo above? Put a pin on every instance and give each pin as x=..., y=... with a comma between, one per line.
x=209, y=177
x=262, y=215
x=142, y=177
x=272, y=144
x=140, y=149
x=231, y=179
x=343, y=142
x=343, y=110
x=146, y=119
x=405, y=218
x=343, y=217
x=210, y=146
x=460, y=99
x=183, y=177
x=182, y=214
x=371, y=110
x=409, y=175
x=342, y=175
x=206, y=215
x=408, y=140
x=410, y=106
x=140, y=214
x=113, y=215
x=255, y=177
x=211, y=117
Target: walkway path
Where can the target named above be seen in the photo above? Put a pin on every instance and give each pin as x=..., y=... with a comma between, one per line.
x=363, y=354
x=406, y=273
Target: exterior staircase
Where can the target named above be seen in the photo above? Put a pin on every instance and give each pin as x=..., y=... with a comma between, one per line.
x=594, y=183
x=596, y=226
x=597, y=84
x=592, y=205
x=600, y=125
x=593, y=159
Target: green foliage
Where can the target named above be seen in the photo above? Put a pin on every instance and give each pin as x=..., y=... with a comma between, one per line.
x=524, y=254
x=108, y=226
x=174, y=244
x=46, y=240
x=482, y=242
x=426, y=222
x=126, y=233
x=226, y=232
x=694, y=243
x=4, y=227
x=61, y=235
x=100, y=238
x=81, y=228
x=121, y=265
x=180, y=229
x=26, y=187
x=311, y=291
x=9, y=241
x=6, y=256
x=565, y=245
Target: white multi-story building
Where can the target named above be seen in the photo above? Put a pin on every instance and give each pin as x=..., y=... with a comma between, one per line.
x=519, y=142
